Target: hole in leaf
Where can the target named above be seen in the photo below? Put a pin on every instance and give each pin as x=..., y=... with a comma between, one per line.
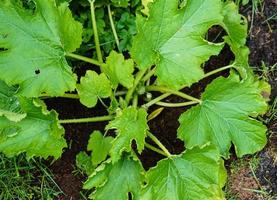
x=3, y=49
x=130, y=196
x=223, y=59
x=37, y=72
x=29, y=5
x=215, y=34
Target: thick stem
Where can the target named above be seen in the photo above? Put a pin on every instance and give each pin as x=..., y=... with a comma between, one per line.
x=154, y=101
x=149, y=146
x=86, y=120
x=113, y=26
x=165, y=104
x=95, y=31
x=135, y=101
x=83, y=58
x=217, y=70
x=167, y=90
x=136, y=82
x=149, y=74
x=163, y=148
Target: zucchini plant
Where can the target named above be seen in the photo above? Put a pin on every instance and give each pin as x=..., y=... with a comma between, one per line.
x=168, y=54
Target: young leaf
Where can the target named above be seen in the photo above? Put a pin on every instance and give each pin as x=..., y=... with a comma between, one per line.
x=196, y=174
x=223, y=117
x=116, y=181
x=83, y=162
x=130, y=125
x=173, y=39
x=10, y=104
x=38, y=134
x=100, y=147
x=119, y=70
x=92, y=87
x=34, y=46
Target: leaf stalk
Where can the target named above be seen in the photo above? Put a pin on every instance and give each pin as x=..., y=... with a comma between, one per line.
x=83, y=58
x=136, y=82
x=95, y=31
x=113, y=26
x=86, y=120
x=167, y=90
x=149, y=146
x=163, y=148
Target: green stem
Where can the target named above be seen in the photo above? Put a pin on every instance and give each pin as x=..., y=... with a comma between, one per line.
x=113, y=26
x=164, y=104
x=136, y=82
x=163, y=148
x=178, y=93
x=217, y=70
x=154, y=101
x=135, y=101
x=83, y=58
x=95, y=31
x=85, y=120
x=149, y=74
x=149, y=146
x=120, y=93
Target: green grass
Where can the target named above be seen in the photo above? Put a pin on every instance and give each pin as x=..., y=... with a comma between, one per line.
x=26, y=180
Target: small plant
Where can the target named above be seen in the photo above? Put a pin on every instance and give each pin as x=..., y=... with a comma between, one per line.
x=167, y=54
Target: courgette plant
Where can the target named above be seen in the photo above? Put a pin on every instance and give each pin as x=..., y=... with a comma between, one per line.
x=168, y=54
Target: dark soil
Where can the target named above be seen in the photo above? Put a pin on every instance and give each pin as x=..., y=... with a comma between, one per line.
x=263, y=45
x=263, y=48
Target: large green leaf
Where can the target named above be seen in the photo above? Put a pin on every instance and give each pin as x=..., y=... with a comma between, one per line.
x=38, y=134
x=100, y=147
x=92, y=87
x=173, y=38
x=194, y=175
x=115, y=181
x=10, y=104
x=226, y=116
x=119, y=70
x=34, y=46
x=130, y=124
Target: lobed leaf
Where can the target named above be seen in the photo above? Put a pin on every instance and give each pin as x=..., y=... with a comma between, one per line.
x=100, y=147
x=92, y=87
x=173, y=38
x=34, y=45
x=226, y=116
x=130, y=124
x=196, y=174
x=119, y=70
x=116, y=181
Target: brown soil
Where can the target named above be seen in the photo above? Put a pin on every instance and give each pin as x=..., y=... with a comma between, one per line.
x=263, y=47
x=241, y=182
